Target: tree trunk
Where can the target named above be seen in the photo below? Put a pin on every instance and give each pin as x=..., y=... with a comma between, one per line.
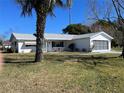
x=122, y=29
x=122, y=52
x=40, y=26
x=122, y=44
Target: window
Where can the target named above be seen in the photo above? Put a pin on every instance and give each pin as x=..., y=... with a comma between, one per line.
x=30, y=45
x=57, y=44
x=100, y=44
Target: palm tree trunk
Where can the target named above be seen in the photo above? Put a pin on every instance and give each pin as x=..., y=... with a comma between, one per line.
x=40, y=26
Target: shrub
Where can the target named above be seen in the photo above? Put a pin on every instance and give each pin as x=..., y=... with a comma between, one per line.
x=72, y=46
x=84, y=50
x=77, y=50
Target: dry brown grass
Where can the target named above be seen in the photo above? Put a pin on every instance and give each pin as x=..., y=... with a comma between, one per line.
x=61, y=73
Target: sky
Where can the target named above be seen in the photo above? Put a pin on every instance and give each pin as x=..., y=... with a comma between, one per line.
x=12, y=21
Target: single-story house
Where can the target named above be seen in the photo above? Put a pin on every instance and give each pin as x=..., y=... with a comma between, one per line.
x=92, y=42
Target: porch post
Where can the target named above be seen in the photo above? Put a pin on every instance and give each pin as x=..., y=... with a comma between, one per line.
x=46, y=46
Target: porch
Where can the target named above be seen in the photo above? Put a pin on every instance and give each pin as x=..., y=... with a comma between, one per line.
x=55, y=46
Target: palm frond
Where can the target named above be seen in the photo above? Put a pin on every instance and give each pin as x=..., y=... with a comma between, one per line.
x=53, y=4
x=59, y=3
x=26, y=6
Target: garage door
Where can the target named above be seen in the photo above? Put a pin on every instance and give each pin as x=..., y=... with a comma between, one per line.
x=100, y=45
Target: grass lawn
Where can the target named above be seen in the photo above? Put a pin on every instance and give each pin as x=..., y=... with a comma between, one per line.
x=117, y=49
x=62, y=73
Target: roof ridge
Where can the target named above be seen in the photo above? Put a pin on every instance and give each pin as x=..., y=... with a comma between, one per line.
x=91, y=33
x=22, y=33
x=58, y=34
x=53, y=36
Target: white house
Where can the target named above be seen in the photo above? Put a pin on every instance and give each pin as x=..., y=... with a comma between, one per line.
x=93, y=42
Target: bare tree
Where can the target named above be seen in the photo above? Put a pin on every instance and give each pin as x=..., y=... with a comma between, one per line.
x=119, y=8
x=107, y=12
x=100, y=11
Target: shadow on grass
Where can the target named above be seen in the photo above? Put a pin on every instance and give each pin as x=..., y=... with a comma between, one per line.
x=107, y=62
x=18, y=61
x=78, y=58
x=89, y=61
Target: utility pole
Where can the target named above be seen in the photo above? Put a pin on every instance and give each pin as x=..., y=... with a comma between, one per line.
x=69, y=4
x=69, y=15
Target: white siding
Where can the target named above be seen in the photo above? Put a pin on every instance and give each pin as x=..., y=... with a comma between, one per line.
x=49, y=46
x=83, y=44
x=100, y=37
x=80, y=44
x=66, y=44
x=24, y=49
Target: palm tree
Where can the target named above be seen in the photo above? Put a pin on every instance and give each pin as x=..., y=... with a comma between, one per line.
x=42, y=9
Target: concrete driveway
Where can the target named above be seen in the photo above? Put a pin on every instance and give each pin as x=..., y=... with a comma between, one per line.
x=84, y=53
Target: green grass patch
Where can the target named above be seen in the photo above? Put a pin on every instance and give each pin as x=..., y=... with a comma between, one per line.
x=117, y=49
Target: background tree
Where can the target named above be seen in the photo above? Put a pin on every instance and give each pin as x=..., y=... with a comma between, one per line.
x=106, y=26
x=112, y=7
x=100, y=9
x=76, y=29
x=42, y=8
x=119, y=9
x=1, y=42
x=1, y=39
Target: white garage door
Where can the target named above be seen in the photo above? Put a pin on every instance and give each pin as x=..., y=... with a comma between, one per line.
x=100, y=45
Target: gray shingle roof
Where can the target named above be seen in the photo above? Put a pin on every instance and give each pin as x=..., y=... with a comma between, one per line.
x=55, y=36
x=58, y=36
x=19, y=36
x=46, y=36
x=85, y=35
